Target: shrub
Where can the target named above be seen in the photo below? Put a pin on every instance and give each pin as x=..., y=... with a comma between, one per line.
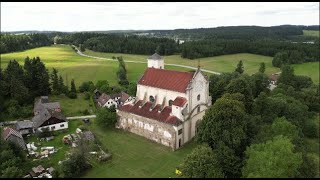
x=72, y=95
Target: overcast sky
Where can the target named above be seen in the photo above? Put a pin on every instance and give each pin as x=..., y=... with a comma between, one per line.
x=88, y=16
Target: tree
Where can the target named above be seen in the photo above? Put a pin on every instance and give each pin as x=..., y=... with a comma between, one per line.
x=36, y=77
x=73, y=92
x=74, y=166
x=55, y=82
x=82, y=49
x=106, y=117
x=308, y=168
x=239, y=68
x=11, y=172
x=280, y=58
x=228, y=160
x=261, y=83
x=287, y=76
x=13, y=77
x=300, y=82
x=101, y=83
x=262, y=67
x=73, y=86
x=62, y=88
x=201, y=163
x=280, y=126
x=224, y=122
x=132, y=89
x=105, y=89
x=86, y=87
x=241, y=85
x=274, y=159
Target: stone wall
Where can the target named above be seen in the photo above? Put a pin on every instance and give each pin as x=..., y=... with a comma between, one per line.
x=152, y=129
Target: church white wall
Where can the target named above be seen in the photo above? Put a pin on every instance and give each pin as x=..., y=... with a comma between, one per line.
x=194, y=92
x=158, y=64
x=160, y=93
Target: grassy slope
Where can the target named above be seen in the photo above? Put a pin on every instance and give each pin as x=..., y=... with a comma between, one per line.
x=74, y=66
x=311, y=33
x=310, y=69
x=135, y=156
x=72, y=107
x=224, y=63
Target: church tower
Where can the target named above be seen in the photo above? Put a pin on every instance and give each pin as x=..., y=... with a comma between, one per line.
x=155, y=61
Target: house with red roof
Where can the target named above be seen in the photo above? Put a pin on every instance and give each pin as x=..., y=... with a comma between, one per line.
x=168, y=104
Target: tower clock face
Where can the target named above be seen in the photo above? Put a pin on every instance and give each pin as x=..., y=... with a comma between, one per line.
x=198, y=85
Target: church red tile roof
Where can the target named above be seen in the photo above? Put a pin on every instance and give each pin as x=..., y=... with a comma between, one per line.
x=164, y=116
x=166, y=79
x=179, y=101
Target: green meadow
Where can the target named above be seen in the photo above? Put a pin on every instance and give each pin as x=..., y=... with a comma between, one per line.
x=311, y=33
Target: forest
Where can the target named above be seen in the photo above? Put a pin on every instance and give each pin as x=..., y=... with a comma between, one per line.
x=257, y=132
x=205, y=42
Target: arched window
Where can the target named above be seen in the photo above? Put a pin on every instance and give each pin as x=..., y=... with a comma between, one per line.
x=170, y=102
x=198, y=97
x=151, y=99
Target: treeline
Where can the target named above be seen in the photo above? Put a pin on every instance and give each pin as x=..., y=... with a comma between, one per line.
x=267, y=47
x=20, y=85
x=251, y=131
x=131, y=44
x=13, y=43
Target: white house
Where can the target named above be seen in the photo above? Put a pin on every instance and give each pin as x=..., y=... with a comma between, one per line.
x=168, y=104
x=48, y=115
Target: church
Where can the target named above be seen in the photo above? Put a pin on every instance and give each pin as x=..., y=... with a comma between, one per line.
x=168, y=104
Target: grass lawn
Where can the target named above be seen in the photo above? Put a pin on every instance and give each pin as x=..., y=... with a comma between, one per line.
x=72, y=66
x=135, y=156
x=311, y=33
x=310, y=69
x=73, y=107
x=224, y=63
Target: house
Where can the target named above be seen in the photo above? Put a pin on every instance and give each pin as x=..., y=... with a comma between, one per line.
x=24, y=127
x=273, y=78
x=9, y=134
x=48, y=115
x=117, y=99
x=106, y=101
x=168, y=105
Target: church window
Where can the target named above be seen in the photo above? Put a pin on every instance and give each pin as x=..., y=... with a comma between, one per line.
x=170, y=102
x=180, y=131
x=198, y=109
x=151, y=99
x=198, y=97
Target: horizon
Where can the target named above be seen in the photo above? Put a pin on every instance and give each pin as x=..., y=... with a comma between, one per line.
x=142, y=16
x=155, y=29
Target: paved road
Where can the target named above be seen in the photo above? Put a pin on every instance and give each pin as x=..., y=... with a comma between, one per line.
x=81, y=117
x=142, y=62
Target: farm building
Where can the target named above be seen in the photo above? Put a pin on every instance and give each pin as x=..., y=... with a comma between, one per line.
x=24, y=127
x=14, y=136
x=48, y=115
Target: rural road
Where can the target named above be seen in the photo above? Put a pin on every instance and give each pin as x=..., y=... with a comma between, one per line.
x=142, y=62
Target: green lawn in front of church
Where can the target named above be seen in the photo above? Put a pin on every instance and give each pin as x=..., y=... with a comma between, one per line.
x=135, y=156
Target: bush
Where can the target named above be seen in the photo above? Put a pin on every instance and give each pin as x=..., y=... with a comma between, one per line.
x=85, y=112
x=86, y=96
x=311, y=129
x=72, y=95
x=74, y=166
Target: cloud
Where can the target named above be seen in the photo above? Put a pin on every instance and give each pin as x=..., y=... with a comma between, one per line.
x=86, y=16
